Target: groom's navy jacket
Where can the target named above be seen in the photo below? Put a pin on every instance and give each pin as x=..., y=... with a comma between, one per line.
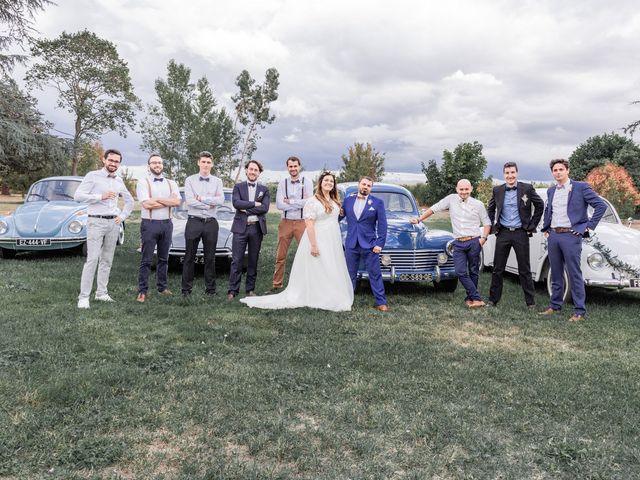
x=363, y=231
x=581, y=195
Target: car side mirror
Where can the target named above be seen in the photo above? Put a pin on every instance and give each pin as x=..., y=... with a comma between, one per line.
x=629, y=221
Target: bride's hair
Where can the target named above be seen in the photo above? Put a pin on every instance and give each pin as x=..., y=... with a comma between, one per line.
x=333, y=194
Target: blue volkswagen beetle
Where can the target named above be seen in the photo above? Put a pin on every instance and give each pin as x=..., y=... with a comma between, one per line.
x=412, y=253
x=49, y=219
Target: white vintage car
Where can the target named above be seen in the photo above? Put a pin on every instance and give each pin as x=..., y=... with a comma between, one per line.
x=610, y=257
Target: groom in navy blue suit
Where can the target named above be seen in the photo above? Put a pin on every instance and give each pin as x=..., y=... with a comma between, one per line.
x=565, y=223
x=366, y=235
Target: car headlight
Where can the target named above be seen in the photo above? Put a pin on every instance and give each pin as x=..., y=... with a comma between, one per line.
x=75, y=226
x=442, y=258
x=449, y=248
x=596, y=261
x=385, y=260
x=3, y=227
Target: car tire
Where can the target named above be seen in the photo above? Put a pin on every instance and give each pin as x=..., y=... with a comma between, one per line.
x=7, y=254
x=120, y=240
x=446, y=285
x=82, y=249
x=566, y=296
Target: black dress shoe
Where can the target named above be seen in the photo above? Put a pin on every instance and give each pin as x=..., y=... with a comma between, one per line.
x=490, y=303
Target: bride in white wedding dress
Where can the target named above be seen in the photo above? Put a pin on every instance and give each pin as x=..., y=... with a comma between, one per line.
x=319, y=276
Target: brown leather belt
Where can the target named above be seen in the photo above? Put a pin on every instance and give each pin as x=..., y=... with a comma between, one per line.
x=251, y=223
x=561, y=230
x=466, y=239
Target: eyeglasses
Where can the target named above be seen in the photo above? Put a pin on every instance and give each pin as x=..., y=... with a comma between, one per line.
x=111, y=160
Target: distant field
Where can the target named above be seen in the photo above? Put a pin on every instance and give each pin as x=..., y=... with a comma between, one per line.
x=210, y=389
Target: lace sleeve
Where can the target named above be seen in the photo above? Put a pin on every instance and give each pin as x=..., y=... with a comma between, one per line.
x=310, y=211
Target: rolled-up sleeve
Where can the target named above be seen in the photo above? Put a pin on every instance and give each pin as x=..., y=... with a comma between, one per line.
x=83, y=192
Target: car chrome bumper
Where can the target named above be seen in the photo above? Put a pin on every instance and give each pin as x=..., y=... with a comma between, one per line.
x=220, y=252
x=56, y=244
x=613, y=283
x=393, y=275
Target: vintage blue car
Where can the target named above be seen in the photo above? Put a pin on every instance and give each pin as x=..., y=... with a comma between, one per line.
x=412, y=253
x=49, y=219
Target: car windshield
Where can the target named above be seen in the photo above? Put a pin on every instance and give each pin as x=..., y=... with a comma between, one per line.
x=52, y=190
x=224, y=210
x=396, y=202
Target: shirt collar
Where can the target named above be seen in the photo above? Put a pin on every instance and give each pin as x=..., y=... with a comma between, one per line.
x=566, y=185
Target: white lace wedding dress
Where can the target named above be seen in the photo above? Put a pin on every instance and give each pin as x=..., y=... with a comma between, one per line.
x=317, y=282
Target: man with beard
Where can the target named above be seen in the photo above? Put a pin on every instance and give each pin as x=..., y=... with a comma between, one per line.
x=513, y=222
x=251, y=201
x=156, y=194
x=101, y=189
x=203, y=193
x=366, y=235
x=466, y=215
x=291, y=196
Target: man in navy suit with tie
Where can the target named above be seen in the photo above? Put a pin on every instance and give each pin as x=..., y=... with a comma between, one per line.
x=251, y=201
x=366, y=235
x=565, y=223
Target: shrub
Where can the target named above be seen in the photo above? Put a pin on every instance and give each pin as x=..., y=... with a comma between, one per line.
x=614, y=182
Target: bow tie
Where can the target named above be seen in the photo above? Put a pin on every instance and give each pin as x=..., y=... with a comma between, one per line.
x=202, y=179
x=560, y=187
x=111, y=175
x=251, y=184
x=360, y=197
x=295, y=181
x=510, y=189
x=158, y=179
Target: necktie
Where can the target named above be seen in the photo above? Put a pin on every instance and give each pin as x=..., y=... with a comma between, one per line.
x=251, y=184
x=158, y=179
x=202, y=179
x=511, y=189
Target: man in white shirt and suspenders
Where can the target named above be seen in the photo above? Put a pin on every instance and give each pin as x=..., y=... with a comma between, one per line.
x=292, y=194
x=156, y=194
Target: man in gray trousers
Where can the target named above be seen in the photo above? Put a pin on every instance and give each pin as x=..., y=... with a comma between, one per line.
x=101, y=189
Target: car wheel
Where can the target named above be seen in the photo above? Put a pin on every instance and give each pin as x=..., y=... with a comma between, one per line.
x=566, y=295
x=8, y=254
x=82, y=249
x=446, y=285
x=121, y=235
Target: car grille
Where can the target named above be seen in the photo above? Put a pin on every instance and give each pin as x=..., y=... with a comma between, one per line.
x=414, y=259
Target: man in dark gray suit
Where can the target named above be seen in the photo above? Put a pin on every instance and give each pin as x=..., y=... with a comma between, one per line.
x=251, y=201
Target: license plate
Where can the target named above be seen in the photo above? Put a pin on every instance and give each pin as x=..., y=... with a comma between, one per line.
x=634, y=282
x=33, y=242
x=199, y=260
x=415, y=277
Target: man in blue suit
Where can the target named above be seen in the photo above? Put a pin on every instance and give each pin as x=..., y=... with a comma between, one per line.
x=366, y=235
x=565, y=223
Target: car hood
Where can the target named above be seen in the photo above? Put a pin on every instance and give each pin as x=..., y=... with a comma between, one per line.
x=44, y=218
x=401, y=234
x=622, y=241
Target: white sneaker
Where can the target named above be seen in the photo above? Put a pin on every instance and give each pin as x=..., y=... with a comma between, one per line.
x=83, y=303
x=105, y=298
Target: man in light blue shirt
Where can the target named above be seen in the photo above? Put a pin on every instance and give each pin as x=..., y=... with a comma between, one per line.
x=101, y=189
x=203, y=193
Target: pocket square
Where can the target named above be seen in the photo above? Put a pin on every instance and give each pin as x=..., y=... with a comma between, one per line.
x=371, y=209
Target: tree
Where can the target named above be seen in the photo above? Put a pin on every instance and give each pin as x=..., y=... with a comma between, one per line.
x=92, y=82
x=361, y=160
x=185, y=122
x=600, y=149
x=614, y=182
x=27, y=151
x=253, y=103
x=466, y=161
x=90, y=158
x=16, y=18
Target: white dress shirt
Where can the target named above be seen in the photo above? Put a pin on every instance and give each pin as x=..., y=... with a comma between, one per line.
x=559, y=216
x=358, y=206
x=161, y=187
x=211, y=193
x=466, y=216
x=297, y=193
x=94, y=185
x=252, y=198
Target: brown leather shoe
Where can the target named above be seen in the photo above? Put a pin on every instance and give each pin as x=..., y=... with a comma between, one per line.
x=166, y=292
x=548, y=311
x=576, y=318
x=251, y=294
x=141, y=297
x=468, y=302
x=230, y=296
x=381, y=308
x=476, y=304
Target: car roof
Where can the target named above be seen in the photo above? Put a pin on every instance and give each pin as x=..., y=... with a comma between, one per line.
x=377, y=187
x=61, y=177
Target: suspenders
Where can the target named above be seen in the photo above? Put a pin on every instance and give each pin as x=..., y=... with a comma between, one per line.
x=170, y=192
x=286, y=194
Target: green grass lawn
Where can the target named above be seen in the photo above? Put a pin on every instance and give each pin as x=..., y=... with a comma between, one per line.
x=213, y=389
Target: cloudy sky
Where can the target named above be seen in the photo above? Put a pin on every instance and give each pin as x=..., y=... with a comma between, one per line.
x=529, y=80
